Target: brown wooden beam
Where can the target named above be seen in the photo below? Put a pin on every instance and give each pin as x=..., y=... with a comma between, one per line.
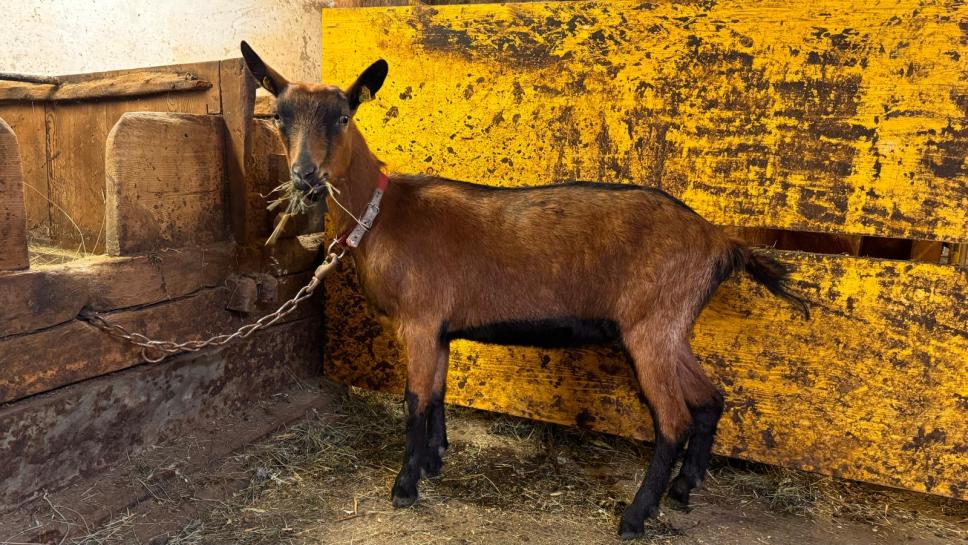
x=49, y=441
x=136, y=83
x=165, y=177
x=13, y=221
x=75, y=351
x=49, y=296
x=29, y=78
x=237, y=89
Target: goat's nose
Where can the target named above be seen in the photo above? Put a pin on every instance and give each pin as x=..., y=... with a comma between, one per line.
x=303, y=170
x=302, y=175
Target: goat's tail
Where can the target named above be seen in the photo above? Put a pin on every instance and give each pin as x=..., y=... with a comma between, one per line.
x=766, y=271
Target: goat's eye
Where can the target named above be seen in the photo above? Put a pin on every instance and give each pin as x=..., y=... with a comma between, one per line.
x=276, y=119
x=344, y=119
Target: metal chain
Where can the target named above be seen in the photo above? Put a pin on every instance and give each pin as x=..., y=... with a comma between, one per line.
x=167, y=348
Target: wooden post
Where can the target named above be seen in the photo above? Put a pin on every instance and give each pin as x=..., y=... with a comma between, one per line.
x=13, y=220
x=165, y=182
x=238, y=99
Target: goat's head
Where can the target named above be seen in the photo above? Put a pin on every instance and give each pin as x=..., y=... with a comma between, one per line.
x=314, y=120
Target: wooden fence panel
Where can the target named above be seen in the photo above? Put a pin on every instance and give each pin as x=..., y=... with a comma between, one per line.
x=73, y=351
x=73, y=156
x=13, y=222
x=841, y=116
x=835, y=116
x=46, y=297
x=28, y=122
x=165, y=177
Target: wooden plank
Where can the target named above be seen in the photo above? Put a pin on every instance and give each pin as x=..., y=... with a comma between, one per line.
x=78, y=133
x=128, y=84
x=18, y=92
x=238, y=101
x=49, y=296
x=872, y=388
x=267, y=167
x=29, y=78
x=49, y=441
x=165, y=182
x=75, y=351
x=13, y=215
x=841, y=116
x=29, y=123
x=285, y=257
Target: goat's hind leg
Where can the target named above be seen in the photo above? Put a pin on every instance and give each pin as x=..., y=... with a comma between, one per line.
x=706, y=407
x=655, y=366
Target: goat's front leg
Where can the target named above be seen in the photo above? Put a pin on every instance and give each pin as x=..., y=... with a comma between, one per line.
x=436, y=421
x=422, y=343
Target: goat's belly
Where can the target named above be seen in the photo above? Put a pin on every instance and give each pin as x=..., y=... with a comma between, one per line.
x=558, y=332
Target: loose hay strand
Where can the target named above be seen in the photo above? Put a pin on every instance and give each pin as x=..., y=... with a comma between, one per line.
x=283, y=220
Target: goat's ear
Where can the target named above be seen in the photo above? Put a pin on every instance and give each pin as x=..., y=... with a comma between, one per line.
x=268, y=78
x=369, y=82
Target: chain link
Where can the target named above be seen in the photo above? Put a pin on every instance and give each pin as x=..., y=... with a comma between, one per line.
x=167, y=348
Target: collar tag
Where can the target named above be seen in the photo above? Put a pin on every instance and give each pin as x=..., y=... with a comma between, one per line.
x=369, y=215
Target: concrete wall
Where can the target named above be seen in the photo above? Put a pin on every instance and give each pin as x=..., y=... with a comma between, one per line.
x=72, y=36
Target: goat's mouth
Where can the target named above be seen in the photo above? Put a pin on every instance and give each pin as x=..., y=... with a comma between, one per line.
x=318, y=192
x=297, y=199
x=316, y=196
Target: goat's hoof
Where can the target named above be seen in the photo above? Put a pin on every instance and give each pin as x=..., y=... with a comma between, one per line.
x=400, y=501
x=404, y=495
x=678, y=496
x=630, y=530
x=673, y=503
x=432, y=465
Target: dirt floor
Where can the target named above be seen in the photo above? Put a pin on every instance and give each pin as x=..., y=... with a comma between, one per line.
x=326, y=480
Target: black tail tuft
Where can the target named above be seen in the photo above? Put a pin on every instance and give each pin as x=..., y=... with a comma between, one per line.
x=769, y=272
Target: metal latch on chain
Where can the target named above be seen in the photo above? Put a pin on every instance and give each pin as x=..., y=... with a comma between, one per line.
x=167, y=348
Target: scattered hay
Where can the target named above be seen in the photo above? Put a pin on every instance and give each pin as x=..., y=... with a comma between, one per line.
x=42, y=256
x=818, y=496
x=112, y=533
x=329, y=478
x=505, y=480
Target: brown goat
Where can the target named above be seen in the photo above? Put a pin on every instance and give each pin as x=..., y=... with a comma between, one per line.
x=556, y=265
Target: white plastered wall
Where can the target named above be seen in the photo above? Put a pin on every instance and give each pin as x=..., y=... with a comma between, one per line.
x=58, y=37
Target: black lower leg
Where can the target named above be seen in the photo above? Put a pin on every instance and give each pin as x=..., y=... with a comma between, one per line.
x=646, y=502
x=437, y=432
x=405, y=487
x=699, y=452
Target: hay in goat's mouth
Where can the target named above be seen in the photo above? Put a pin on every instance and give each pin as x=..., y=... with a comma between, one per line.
x=296, y=201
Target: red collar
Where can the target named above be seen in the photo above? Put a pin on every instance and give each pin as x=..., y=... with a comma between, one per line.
x=351, y=237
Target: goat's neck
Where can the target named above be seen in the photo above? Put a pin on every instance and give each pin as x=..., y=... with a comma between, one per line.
x=357, y=185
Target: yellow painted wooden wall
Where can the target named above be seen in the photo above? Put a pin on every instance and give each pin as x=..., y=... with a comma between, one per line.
x=836, y=116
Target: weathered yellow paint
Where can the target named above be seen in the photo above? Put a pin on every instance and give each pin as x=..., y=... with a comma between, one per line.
x=838, y=116
x=874, y=387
